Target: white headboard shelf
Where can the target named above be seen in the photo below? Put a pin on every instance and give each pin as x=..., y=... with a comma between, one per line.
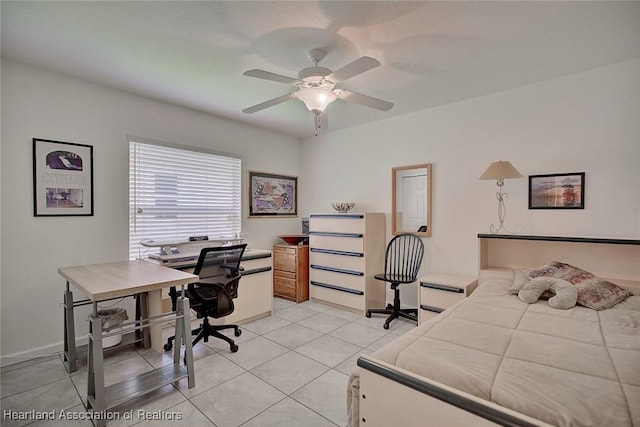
x=610, y=258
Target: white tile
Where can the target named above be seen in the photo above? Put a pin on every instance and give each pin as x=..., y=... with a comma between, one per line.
x=54, y=396
x=323, y=322
x=345, y=314
x=31, y=375
x=358, y=334
x=295, y=313
x=328, y=350
x=289, y=372
x=280, y=303
x=266, y=324
x=209, y=372
x=255, y=352
x=292, y=336
x=326, y=395
x=288, y=412
x=237, y=401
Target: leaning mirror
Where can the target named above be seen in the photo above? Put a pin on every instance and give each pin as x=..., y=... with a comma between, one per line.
x=411, y=204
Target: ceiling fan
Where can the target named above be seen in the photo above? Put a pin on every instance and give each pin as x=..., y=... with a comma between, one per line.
x=317, y=87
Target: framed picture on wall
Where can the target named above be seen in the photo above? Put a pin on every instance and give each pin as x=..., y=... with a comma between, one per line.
x=272, y=195
x=62, y=178
x=557, y=191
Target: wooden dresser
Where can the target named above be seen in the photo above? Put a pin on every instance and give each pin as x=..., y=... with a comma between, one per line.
x=291, y=272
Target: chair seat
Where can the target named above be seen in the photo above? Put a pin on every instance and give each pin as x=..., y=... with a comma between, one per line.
x=395, y=278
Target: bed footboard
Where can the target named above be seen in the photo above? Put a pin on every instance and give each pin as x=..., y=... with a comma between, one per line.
x=393, y=396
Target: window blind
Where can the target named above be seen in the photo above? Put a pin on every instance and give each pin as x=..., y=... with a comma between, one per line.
x=175, y=193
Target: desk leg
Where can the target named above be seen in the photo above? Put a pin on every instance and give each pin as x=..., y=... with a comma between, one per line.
x=143, y=302
x=155, y=309
x=70, y=356
x=186, y=334
x=95, y=374
x=178, y=332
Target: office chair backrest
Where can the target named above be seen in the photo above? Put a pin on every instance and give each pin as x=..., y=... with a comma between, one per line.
x=217, y=264
x=219, y=275
x=403, y=257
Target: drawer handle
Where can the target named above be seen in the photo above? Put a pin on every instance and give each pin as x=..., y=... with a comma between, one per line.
x=341, y=216
x=336, y=288
x=336, y=252
x=335, y=234
x=337, y=270
x=442, y=287
x=431, y=308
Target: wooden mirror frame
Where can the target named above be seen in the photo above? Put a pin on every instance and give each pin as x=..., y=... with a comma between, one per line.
x=394, y=212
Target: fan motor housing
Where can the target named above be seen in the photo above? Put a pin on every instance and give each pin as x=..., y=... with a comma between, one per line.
x=314, y=72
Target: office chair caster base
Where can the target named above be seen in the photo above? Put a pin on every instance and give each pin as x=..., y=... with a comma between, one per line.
x=234, y=348
x=386, y=325
x=237, y=332
x=168, y=347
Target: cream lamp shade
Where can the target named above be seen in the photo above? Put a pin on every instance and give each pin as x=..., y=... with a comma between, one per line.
x=500, y=170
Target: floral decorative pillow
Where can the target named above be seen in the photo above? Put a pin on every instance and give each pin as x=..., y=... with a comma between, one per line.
x=593, y=292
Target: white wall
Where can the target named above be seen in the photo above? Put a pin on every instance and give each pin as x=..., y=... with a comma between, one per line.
x=586, y=122
x=41, y=104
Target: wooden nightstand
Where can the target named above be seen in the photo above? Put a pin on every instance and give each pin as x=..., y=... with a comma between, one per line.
x=440, y=291
x=291, y=272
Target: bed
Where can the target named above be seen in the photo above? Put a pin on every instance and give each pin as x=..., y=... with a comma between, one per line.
x=493, y=359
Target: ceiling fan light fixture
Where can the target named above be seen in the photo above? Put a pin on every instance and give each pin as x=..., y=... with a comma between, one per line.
x=316, y=99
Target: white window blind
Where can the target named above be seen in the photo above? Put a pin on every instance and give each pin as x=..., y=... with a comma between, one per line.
x=175, y=193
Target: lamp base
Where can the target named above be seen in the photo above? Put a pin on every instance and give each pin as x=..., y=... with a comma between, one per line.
x=502, y=212
x=496, y=230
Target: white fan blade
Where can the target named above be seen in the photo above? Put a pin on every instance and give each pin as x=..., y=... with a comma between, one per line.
x=261, y=74
x=353, y=69
x=269, y=103
x=368, y=101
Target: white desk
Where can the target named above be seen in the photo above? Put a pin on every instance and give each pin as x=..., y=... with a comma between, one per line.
x=99, y=282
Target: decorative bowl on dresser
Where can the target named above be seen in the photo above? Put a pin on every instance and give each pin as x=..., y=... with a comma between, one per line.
x=294, y=239
x=343, y=207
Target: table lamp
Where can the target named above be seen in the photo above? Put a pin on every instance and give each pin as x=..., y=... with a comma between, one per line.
x=500, y=171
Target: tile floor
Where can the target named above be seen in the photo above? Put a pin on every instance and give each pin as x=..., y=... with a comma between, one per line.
x=291, y=370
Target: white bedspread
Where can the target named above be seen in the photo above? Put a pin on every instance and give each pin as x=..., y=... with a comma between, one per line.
x=576, y=367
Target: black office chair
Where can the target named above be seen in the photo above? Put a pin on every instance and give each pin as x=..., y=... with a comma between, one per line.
x=212, y=295
x=401, y=264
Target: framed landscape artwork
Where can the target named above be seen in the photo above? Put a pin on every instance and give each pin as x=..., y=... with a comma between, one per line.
x=557, y=191
x=272, y=195
x=62, y=178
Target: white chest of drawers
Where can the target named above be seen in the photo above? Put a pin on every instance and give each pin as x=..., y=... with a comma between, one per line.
x=440, y=291
x=346, y=250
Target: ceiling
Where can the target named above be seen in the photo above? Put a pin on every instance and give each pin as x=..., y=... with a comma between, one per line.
x=432, y=53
